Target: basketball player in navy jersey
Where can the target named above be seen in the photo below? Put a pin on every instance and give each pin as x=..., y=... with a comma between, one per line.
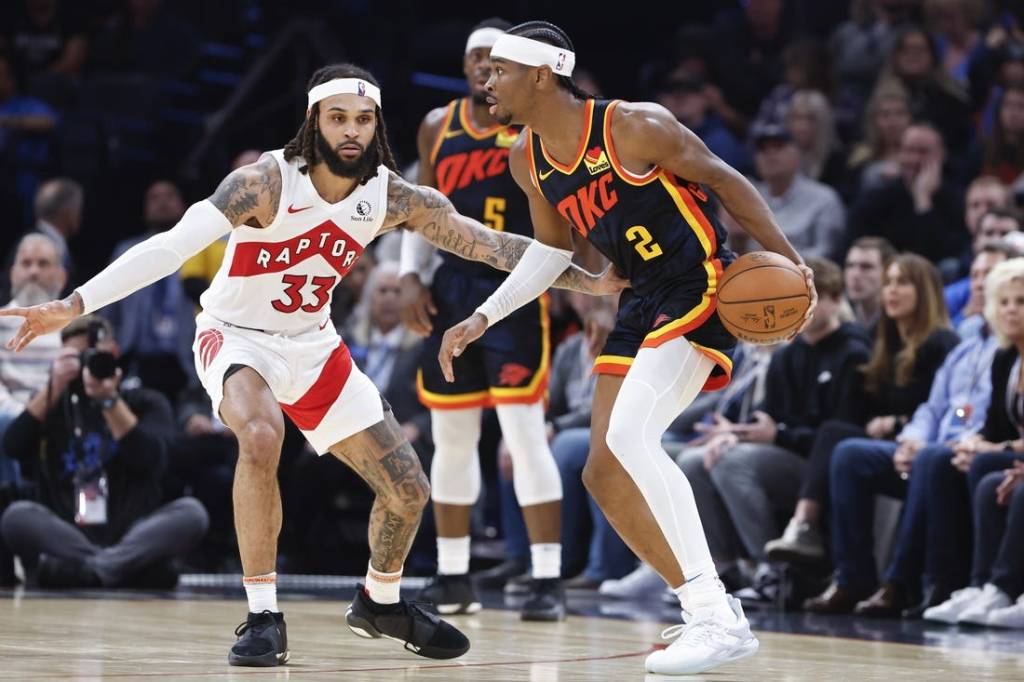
x=299, y=219
x=464, y=153
x=642, y=189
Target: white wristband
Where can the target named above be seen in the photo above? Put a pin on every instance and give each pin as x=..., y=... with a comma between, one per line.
x=156, y=257
x=535, y=272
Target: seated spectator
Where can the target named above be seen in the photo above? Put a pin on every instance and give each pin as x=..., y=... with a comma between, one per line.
x=749, y=473
x=1003, y=148
x=687, y=98
x=859, y=48
x=58, y=208
x=995, y=566
x=810, y=121
x=984, y=193
x=805, y=66
x=388, y=353
x=25, y=127
x=96, y=451
x=911, y=342
x=156, y=325
x=873, y=161
x=809, y=213
x=863, y=272
x=927, y=540
x=963, y=297
x=914, y=64
x=47, y=38
x=920, y=212
x=36, y=277
x=954, y=24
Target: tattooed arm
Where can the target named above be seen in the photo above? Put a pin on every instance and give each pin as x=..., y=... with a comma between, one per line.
x=428, y=212
x=248, y=196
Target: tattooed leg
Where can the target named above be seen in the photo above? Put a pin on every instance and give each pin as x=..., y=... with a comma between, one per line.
x=386, y=461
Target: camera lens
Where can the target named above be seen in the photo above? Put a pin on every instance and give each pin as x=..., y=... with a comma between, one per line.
x=102, y=364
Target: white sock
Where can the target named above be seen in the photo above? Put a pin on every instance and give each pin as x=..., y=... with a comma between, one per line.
x=453, y=555
x=546, y=558
x=705, y=591
x=383, y=588
x=261, y=590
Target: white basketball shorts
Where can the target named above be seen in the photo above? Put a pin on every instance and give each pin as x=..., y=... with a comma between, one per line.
x=310, y=373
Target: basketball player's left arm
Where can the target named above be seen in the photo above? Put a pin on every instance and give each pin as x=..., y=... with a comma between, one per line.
x=430, y=213
x=649, y=135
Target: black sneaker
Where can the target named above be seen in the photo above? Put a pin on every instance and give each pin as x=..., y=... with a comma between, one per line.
x=419, y=631
x=546, y=600
x=58, y=572
x=500, y=574
x=451, y=594
x=262, y=641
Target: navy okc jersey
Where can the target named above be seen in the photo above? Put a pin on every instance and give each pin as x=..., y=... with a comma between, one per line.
x=656, y=228
x=471, y=167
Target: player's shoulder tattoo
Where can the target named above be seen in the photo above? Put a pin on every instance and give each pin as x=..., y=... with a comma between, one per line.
x=252, y=191
x=406, y=199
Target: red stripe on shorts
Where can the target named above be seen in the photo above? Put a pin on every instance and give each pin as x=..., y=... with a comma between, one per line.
x=308, y=411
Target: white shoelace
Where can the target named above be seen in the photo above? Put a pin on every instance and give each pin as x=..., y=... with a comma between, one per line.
x=696, y=631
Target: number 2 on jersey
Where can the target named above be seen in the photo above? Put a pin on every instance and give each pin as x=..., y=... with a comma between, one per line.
x=645, y=244
x=322, y=292
x=494, y=208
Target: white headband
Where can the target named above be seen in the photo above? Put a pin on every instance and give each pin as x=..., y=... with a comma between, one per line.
x=534, y=53
x=483, y=37
x=344, y=86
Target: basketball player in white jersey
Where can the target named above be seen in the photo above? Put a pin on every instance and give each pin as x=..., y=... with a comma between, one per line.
x=298, y=219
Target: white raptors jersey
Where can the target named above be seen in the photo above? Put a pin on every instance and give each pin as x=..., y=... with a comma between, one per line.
x=280, y=278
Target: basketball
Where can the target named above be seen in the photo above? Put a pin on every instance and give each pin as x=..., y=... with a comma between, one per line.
x=762, y=298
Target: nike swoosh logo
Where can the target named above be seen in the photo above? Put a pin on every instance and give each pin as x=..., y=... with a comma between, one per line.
x=449, y=134
x=545, y=176
x=292, y=209
x=324, y=324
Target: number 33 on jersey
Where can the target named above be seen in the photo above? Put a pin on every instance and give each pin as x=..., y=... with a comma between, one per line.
x=281, y=277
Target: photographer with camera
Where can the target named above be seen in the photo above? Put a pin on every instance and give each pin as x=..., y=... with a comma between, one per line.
x=96, y=450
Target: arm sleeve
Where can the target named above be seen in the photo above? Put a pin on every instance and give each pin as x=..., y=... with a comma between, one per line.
x=155, y=258
x=539, y=267
x=415, y=255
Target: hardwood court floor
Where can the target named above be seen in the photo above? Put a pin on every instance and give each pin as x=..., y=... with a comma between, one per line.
x=154, y=639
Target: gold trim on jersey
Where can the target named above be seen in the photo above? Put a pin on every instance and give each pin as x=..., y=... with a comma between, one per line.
x=466, y=122
x=443, y=134
x=588, y=122
x=627, y=175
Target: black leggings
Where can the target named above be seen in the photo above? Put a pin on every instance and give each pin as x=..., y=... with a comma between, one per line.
x=815, y=483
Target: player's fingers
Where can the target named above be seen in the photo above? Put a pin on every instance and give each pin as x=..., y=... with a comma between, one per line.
x=25, y=336
x=431, y=308
x=14, y=311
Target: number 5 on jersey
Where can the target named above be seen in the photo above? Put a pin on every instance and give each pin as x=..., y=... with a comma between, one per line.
x=494, y=210
x=322, y=292
x=645, y=244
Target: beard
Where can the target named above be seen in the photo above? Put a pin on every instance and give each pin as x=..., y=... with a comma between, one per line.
x=32, y=293
x=503, y=117
x=479, y=98
x=343, y=168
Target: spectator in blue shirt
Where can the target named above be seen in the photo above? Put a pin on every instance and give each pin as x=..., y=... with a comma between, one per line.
x=963, y=298
x=25, y=127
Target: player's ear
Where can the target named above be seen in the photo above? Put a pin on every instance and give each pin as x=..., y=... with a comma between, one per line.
x=544, y=77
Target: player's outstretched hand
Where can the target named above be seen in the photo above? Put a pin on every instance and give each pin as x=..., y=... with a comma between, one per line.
x=42, y=319
x=456, y=339
x=609, y=282
x=809, y=279
x=417, y=305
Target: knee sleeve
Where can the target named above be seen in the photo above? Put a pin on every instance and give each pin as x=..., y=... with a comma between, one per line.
x=534, y=472
x=455, y=470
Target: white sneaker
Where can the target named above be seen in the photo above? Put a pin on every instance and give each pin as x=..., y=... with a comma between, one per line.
x=1008, y=617
x=704, y=642
x=949, y=610
x=642, y=582
x=990, y=599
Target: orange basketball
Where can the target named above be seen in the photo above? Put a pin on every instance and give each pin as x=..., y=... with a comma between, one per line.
x=762, y=298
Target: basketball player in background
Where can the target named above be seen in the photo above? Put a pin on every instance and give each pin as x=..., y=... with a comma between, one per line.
x=464, y=153
x=299, y=219
x=641, y=188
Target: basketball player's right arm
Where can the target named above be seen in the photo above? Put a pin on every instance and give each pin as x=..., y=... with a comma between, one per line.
x=247, y=195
